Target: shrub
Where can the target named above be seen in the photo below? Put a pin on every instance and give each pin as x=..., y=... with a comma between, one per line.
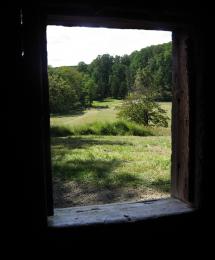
x=84, y=130
x=142, y=109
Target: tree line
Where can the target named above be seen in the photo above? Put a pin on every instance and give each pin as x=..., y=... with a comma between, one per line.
x=73, y=87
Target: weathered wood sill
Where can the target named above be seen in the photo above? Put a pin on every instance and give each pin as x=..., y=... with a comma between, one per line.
x=117, y=213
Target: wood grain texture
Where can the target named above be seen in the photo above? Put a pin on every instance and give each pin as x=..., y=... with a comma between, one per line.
x=117, y=213
x=180, y=119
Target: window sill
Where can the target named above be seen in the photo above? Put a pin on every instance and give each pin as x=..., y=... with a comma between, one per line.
x=117, y=213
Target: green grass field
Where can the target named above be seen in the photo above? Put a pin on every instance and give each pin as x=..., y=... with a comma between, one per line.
x=101, y=169
x=101, y=111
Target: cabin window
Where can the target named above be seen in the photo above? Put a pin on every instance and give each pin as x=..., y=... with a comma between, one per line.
x=110, y=99
x=182, y=178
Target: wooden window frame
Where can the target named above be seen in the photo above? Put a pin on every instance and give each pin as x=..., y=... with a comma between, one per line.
x=184, y=186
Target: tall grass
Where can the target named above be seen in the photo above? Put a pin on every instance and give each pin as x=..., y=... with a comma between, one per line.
x=102, y=128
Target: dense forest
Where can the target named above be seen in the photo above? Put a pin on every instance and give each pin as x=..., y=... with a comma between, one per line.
x=74, y=87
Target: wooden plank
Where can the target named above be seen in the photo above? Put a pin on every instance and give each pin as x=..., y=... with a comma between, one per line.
x=35, y=114
x=117, y=213
x=111, y=22
x=180, y=119
x=46, y=116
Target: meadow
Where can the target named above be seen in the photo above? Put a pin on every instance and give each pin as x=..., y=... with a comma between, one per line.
x=97, y=158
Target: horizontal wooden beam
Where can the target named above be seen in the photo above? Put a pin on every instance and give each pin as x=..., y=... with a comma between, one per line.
x=116, y=213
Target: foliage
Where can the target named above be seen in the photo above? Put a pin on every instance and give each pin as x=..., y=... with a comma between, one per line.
x=62, y=97
x=152, y=66
x=69, y=89
x=117, y=80
x=142, y=109
x=82, y=67
x=97, y=116
x=108, y=76
x=102, y=128
x=117, y=76
x=100, y=70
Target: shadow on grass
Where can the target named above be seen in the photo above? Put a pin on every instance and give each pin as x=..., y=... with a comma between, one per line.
x=91, y=180
x=86, y=171
x=161, y=185
x=77, y=112
x=100, y=107
x=60, y=131
x=79, y=142
x=81, y=182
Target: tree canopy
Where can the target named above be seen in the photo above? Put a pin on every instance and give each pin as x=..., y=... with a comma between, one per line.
x=107, y=76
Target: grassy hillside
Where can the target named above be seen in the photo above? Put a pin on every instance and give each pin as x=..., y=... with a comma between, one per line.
x=100, y=111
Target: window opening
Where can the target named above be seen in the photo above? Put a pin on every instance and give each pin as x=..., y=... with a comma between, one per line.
x=110, y=115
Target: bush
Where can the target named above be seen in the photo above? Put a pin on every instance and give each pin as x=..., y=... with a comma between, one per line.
x=142, y=109
x=84, y=130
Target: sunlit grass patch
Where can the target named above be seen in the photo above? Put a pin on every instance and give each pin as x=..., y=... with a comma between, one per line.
x=113, y=163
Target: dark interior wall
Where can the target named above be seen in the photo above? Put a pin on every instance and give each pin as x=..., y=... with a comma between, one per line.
x=204, y=102
x=28, y=154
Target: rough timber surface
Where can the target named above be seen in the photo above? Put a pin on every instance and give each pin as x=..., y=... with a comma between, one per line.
x=116, y=213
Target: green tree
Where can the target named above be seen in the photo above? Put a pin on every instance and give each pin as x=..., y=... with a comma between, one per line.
x=72, y=77
x=82, y=67
x=142, y=109
x=100, y=71
x=144, y=82
x=81, y=83
x=145, y=71
x=88, y=90
x=152, y=66
x=118, y=80
x=62, y=98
